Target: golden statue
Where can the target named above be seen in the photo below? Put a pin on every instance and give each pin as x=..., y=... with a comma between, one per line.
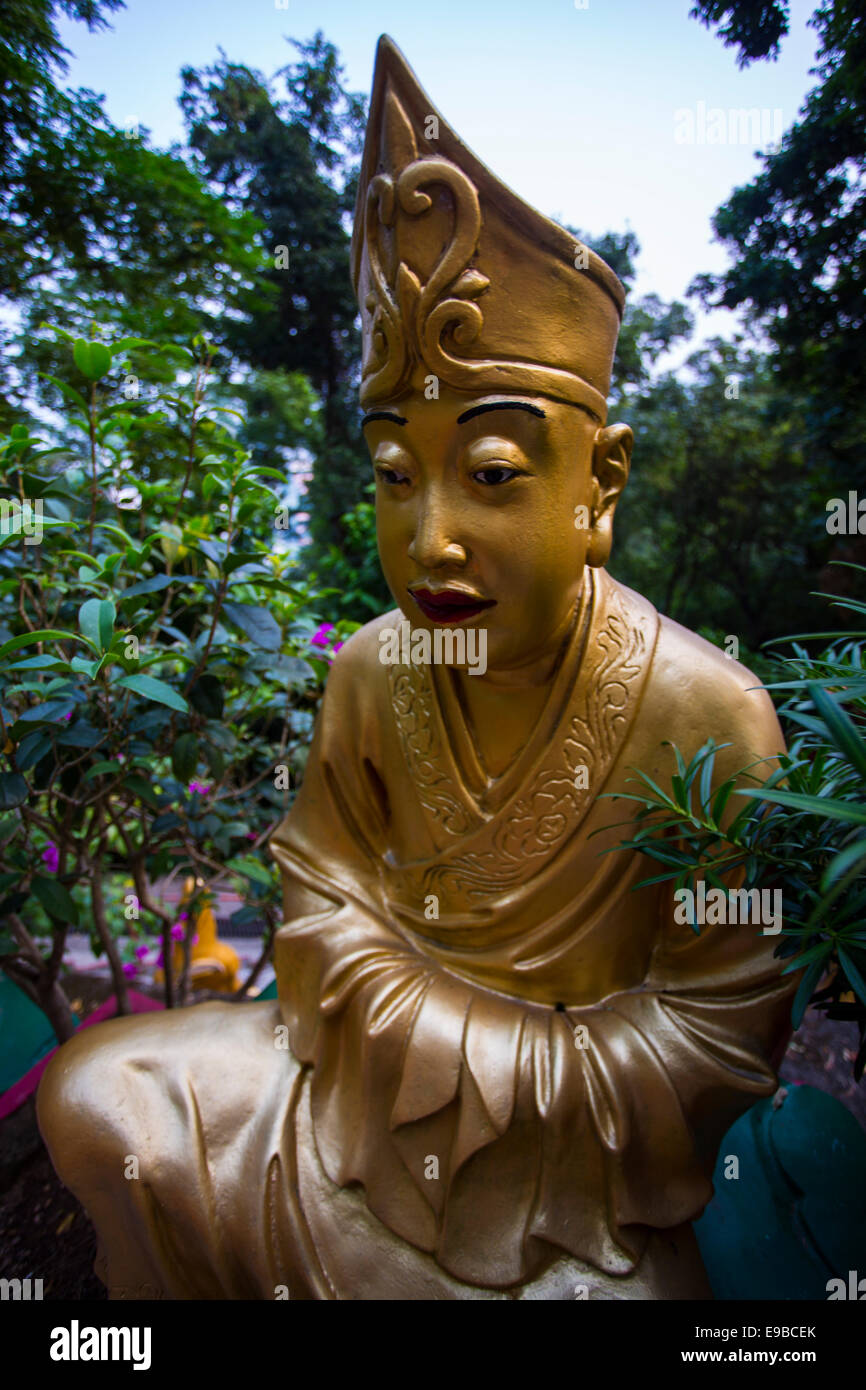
x=494, y=1071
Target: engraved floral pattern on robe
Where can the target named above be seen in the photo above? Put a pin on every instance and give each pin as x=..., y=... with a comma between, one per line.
x=541, y=818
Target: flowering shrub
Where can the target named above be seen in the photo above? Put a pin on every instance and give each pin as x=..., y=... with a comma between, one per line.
x=161, y=665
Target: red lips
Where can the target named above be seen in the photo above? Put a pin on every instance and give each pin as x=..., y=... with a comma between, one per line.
x=449, y=605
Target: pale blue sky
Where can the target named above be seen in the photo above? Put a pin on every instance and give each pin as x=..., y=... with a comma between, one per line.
x=574, y=108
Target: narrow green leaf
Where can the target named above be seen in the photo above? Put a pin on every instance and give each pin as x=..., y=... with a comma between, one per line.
x=858, y=984
x=822, y=951
x=102, y=768
x=252, y=869
x=152, y=689
x=805, y=990
x=184, y=757
x=68, y=391
x=49, y=712
x=13, y=790
x=148, y=586
x=82, y=666
x=256, y=623
x=141, y=788
x=848, y=861
x=26, y=639
x=841, y=727
x=32, y=749
x=706, y=783
x=55, y=899
x=127, y=344
x=816, y=805
x=40, y=663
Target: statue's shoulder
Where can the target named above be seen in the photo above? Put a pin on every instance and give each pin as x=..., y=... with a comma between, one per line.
x=695, y=691
x=358, y=658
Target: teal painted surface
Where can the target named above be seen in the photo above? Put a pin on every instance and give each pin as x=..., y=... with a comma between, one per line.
x=25, y=1034
x=796, y=1215
x=269, y=991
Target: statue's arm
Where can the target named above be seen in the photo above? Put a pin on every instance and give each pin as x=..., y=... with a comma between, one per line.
x=698, y=1042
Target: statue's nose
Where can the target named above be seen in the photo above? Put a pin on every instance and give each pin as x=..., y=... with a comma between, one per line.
x=435, y=541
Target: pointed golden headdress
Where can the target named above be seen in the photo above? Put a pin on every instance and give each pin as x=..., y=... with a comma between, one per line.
x=453, y=271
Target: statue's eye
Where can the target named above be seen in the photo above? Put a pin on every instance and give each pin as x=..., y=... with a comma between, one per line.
x=390, y=475
x=495, y=474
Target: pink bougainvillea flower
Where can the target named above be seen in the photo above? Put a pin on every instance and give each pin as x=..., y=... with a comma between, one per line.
x=320, y=637
x=130, y=969
x=51, y=857
x=251, y=835
x=68, y=716
x=337, y=646
x=178, y=931
x=142, y=951
x=199, y=787
x=160, y=960
x=195, y=939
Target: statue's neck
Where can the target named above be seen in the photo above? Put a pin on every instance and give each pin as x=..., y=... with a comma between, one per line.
x=503, y=708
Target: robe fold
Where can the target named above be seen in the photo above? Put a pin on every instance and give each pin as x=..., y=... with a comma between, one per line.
x=508, y=1071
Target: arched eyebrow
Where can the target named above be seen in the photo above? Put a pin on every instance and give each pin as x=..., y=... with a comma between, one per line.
x=500, y=405
x=383, y=415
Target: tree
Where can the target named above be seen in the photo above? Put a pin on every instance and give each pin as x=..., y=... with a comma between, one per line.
x=94, y=223
x=723, y=503
x=292, y=161
x=797, y=232
x=754, y=26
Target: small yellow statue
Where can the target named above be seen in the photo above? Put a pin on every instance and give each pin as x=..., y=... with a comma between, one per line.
x=494, y=1071
x=213, y=964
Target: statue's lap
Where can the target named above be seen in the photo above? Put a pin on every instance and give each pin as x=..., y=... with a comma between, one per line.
x=188, y=1138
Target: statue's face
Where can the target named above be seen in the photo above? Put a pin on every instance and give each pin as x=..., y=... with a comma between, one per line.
x=476, y=511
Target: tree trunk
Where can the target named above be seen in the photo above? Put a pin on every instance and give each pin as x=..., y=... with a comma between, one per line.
x=97, y=899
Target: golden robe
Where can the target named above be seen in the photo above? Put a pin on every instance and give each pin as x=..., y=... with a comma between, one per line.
x=495, y=1070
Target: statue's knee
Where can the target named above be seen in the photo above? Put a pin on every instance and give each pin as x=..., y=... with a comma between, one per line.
x=75, y=1105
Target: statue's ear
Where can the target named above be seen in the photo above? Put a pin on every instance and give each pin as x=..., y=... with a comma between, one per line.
x=610, y=465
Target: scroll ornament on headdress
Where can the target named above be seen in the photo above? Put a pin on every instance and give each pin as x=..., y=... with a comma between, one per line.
x=455, y=273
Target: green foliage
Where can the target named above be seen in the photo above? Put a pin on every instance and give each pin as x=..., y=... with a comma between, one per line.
x=31, y=54
x=797, y=237
x=286, y=151
x=244, y=237
x=95, y=224
x=725, y=496
x=754, y=26
x=650, y=326
x=160, y=661
x=802, y=828
x=725, y=500
x=355, y=571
